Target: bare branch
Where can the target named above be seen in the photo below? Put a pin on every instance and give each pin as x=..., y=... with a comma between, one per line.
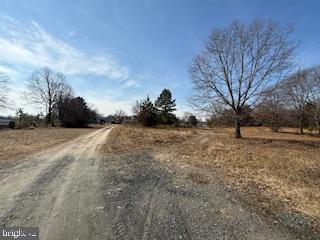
x=4, y=80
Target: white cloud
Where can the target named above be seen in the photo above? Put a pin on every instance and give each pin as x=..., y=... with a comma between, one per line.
x=108, y=106
x=131, y=83
x=29, y=45
x=6, y=70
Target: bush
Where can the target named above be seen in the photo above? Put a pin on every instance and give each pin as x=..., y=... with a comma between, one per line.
x=12, y=125
x=23, y=120
x=166, y=119
x=192, y=121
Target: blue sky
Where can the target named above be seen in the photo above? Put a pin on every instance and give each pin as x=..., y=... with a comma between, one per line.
x=114, y=52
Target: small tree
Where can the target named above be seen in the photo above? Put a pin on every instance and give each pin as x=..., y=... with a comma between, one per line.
x=24, y=119
x=166, y=106
x=192, y=121
x=20, y=115
x=119, y=116
x=147, y=113
x=136, y=108
x=189, y=120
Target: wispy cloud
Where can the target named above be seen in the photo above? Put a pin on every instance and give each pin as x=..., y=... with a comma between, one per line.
x=29, y=45
x=6, y=70
x=71, y=33
x=107, y=105
x=131, y=83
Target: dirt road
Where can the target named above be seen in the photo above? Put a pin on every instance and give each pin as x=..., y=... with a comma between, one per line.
x=73, y=192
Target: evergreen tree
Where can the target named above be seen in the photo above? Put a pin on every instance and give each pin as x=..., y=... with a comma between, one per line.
x=147, y=113
x=165, y=106
x=192, y=121
x=165, y=103
x=74, y=112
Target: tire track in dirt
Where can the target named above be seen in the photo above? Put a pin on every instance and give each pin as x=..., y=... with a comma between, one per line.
x=145, y=201
x=149, y=214
x=27, y=201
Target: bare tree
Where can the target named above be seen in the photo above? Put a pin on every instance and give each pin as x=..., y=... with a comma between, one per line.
x=189, y=120
x=271, y=110
x=136, y=108
x=315, y=94
x=65, y=95
x=238, y=63
x=296, y=90
x=3, y=89
x=120, y=116
x=45, y=89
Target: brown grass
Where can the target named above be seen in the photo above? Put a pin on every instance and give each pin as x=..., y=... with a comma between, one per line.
x=276, y=171
x=16, y=144
x=126, y=138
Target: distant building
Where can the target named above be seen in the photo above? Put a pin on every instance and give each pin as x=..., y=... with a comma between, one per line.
x=6, y=122
x=202, y=124
x=129, y=119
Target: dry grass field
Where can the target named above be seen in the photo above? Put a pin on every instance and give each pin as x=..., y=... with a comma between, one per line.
x=16, y=144
x=275, y=172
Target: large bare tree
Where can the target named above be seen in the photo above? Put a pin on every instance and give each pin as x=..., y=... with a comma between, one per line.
x=45, y=89
x=238, y=63
x=3, y=89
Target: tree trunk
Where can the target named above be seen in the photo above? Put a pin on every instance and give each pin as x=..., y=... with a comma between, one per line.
x=49, y=118
x=237, y=131
x=275, y=129
x=301, y=126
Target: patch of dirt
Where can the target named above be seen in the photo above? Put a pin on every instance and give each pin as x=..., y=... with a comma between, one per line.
x=199, y=178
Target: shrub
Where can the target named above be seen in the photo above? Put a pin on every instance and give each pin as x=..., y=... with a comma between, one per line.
x=12, y=125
